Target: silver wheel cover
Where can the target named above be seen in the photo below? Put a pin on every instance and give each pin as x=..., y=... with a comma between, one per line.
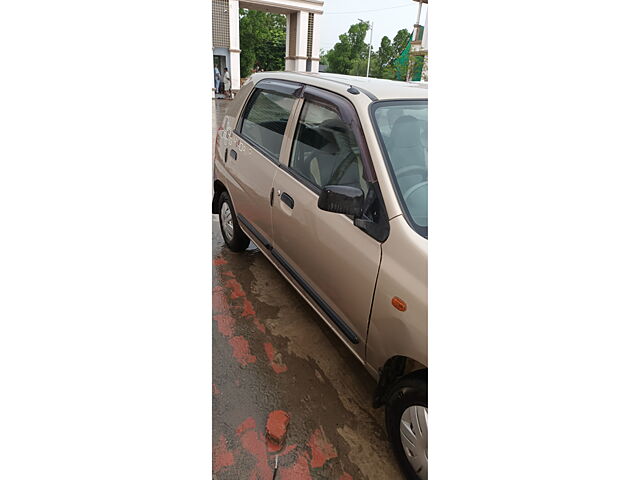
x=413, y=434
x=227, y=221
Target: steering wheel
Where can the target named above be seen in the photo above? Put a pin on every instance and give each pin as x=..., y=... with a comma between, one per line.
x=411, y=170
x=340, y=170
x=413, y=190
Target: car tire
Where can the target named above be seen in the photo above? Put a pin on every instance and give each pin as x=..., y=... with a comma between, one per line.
x=406, y=416
x=233, y=236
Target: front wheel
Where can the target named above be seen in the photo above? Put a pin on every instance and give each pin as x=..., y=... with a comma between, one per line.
x=406, y=417
x=233, y=236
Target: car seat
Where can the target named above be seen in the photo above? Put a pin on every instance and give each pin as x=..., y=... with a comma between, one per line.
x=407, y=147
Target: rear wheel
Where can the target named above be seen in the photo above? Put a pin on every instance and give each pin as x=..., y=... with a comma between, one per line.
x=406, y=417
x=233, y=236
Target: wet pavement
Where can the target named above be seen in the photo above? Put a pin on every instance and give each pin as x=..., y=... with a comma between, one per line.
x=273, y=355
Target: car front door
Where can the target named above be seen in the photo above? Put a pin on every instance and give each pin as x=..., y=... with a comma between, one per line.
x=253, y=154
x=335, y=261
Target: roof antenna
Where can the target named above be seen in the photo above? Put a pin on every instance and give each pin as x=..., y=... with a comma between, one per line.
x=353, y=90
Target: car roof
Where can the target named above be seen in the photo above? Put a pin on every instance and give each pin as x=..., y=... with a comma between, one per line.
x=375, y=88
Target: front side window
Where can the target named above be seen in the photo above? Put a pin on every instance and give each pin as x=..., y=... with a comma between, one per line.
x=401, y=127
x=325, y=151
x=265, y=120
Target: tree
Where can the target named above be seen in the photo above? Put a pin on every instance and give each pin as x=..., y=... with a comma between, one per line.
x=346, y=54
x=359, y=67
x=400, y=41
x=262, y=41
x=350, y=55
x=386, y=53
x=385, y=58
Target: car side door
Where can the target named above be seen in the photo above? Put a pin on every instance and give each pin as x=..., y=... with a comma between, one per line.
x=334, y=261
x=253, y=154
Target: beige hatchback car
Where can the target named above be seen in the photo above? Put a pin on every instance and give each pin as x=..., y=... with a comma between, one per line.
x=327, y=175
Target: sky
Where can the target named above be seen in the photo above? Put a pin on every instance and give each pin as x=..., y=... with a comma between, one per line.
x=388, y=16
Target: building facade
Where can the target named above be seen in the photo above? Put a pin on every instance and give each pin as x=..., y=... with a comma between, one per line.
x=302, y=43
x=419, y=51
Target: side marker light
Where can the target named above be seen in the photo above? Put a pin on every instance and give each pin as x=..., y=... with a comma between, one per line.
x=399, y=304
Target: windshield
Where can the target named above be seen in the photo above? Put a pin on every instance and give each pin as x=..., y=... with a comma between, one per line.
x=401, y=127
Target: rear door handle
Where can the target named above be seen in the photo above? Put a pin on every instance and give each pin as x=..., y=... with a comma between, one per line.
x=287, y=200
x=234, y=155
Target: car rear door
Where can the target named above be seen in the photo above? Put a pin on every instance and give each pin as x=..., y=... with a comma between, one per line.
x=253, y=154
x=334, y=261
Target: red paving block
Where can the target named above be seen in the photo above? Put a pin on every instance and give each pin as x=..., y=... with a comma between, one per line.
x=220, y=303
x=248, y=424
x=222, y=457
x=254, y=443
x=247, y=308
x=241, y=351
x=273, y=447
x=288, y=450
x=277, y=424
x=321, y=449
x=298, y=471
x=226, y=324
x=274, y=359
x=236, y=288
x=259, y=325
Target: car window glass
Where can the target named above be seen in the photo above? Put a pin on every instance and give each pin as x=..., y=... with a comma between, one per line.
x=325, y=151
x=265, y=120
x=402, y=127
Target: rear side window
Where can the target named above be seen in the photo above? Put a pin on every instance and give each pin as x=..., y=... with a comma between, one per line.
x=325, y=151
x=265, y=120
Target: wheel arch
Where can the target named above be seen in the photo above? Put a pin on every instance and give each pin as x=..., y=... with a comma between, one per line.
x=218, y=188
x=395, y=368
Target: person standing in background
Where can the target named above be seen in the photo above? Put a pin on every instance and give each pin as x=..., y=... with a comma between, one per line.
x=227, y=82
x=216, y=79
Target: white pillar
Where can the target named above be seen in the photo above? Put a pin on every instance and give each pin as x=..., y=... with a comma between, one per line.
x=425, y=46
x=315, y=46
x=289, y=52
x=301, y=42
x=296, y=47
x=426, y=28
x=234, y=43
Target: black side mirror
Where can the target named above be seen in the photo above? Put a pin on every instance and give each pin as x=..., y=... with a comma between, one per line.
x=342, y=199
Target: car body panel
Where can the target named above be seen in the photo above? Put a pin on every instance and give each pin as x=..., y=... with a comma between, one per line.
x=403, y=274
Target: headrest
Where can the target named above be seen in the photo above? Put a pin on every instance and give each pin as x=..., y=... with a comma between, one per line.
x=335, y=134
x=406, y=132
